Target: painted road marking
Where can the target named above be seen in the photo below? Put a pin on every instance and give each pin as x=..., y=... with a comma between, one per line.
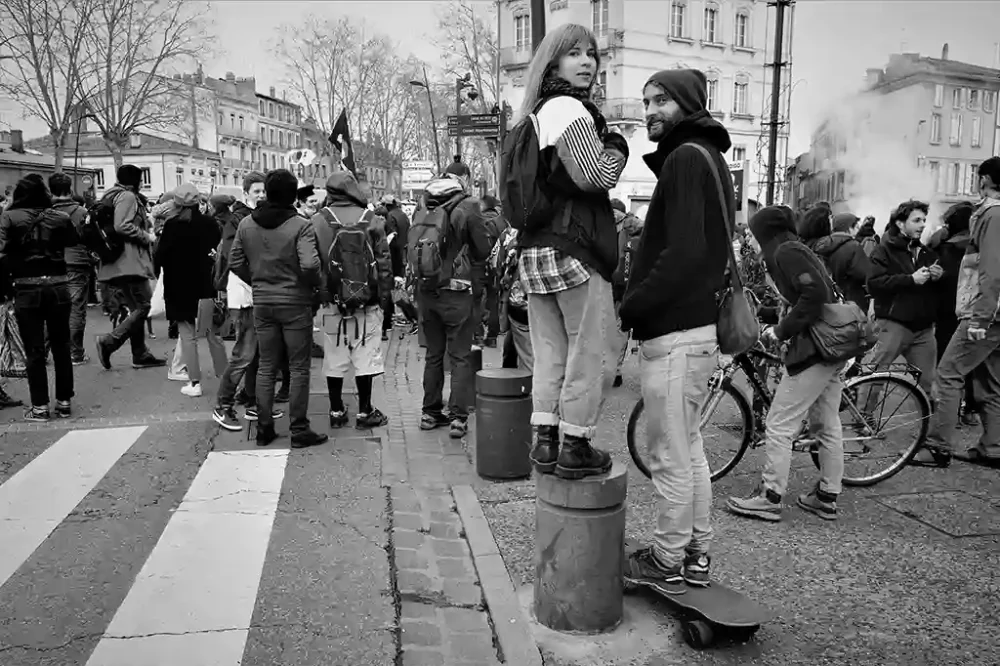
x=35, y=500
x=193, y=600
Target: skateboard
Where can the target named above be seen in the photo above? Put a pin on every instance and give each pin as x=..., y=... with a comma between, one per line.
x=711, y=612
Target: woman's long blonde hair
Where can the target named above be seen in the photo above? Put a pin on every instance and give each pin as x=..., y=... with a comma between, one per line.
x=554, y=46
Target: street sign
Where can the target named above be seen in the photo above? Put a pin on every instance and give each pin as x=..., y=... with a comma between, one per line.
x=416, y=174
x=474, y=131
x=87, y=181
x=477, y=124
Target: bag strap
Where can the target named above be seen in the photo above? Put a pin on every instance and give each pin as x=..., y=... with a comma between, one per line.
x=735, y=279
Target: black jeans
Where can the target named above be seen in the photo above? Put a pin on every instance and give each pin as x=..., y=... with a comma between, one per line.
x=134, y=293
x=492, y=311
x=284, y=328
x=243, y=362
x=42, y=305
x=79, y=291
x=449, y=324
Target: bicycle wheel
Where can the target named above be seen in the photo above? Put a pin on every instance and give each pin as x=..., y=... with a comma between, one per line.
x=726, y=430
x=884, y=418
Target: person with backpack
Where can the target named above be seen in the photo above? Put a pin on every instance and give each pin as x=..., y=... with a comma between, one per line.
x=810, y=387
x=503, y=263
x=33, y=242
x=122, y=212
x=446, y=238
x=397, y=228
x=495, y=226
x=844, y=258
x=80, y=264
x=867, y=237
x=559, y=162
x=357, y=283
x=276, y=253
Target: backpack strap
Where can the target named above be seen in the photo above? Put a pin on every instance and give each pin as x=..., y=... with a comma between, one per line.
x=330, y=216
x=735, y=279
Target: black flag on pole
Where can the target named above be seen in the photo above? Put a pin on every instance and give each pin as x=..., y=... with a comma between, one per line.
x=340, y=137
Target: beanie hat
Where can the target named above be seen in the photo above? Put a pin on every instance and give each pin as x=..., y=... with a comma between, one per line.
x=619, y=205
x=186, y=195
x=844, y=221
x=129, y=174
x=687, y=87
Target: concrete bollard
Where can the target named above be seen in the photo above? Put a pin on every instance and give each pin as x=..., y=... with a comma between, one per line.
x=503, y=423
x=580, y=551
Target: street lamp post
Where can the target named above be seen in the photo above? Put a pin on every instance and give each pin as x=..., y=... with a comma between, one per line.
x=430, y=103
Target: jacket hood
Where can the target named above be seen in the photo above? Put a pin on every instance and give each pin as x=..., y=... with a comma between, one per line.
x=700, y=125
x=772, y=226
x=443, y=191
x=342, y=189
x=241, y=210
x=186, y=195
x=867, y=229
x=271, y=216
x=30, y=193
x=827, y=245
x=815, y=224
x=687, y=87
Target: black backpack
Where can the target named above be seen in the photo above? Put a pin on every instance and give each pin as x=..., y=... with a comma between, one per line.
x=98, y=231
x=526, y=201
x=353, y=276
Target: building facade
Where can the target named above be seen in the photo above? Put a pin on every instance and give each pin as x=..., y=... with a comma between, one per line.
x=237, y=125
x=725, y=39
x=280, y=127
x=18, y=160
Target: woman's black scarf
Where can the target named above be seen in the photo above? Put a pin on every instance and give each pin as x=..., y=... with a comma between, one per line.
x=553, y=86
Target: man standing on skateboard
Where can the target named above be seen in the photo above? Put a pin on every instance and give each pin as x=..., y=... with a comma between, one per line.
x=670, y=306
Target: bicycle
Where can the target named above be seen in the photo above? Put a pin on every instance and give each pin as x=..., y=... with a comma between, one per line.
x=727, y=410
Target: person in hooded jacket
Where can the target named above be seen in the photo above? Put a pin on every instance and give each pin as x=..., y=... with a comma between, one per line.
x=33, y=242
x=810, y=387
x=844, y=259
x=186, y=252
x=80, y=263
x=352, y=340
x=866, y=236
x=670, y=306
x=397, y=228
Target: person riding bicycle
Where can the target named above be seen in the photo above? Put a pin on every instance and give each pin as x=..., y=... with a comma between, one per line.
x=809, y=386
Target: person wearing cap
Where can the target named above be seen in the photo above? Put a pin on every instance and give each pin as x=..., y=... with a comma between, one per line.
x=670, y=306
x=841, y=252
x=128, y=277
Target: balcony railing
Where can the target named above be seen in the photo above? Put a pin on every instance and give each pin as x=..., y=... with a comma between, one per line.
x=235, y=163
x=512, y=56
x=235, y=132
x=623, y=109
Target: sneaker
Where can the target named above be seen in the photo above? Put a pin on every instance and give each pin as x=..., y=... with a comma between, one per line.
x=82, y=359
x=147, y=360
x=578, y=459
x=643, y=568
x=302, y=440
x=458, y=429
x=192, y=390
x=181, y=376
x=617, y=382
x=546, y=450
x=251, y=414
x=373, y=419
x=969, y=420
x=226, y=417
x=811, y=502
x=6, y=400
x=103, y=343
x=385, y=336
x=431, y=420
x=763, y=505
x=696, y=569
x=266, y=435
x=37, y=414
x=338, y=419
x=64, y=409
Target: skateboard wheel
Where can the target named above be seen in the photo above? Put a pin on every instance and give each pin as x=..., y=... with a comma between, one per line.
x=697, y=634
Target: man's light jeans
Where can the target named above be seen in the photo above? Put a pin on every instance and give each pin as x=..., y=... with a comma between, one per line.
x=674, y=371
x=573, y=359
x=814, y=392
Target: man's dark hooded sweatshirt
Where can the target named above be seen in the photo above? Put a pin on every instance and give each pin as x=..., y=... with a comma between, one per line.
x=275, y=251
x=682, y=257
x=842, y=255
x=801, y=280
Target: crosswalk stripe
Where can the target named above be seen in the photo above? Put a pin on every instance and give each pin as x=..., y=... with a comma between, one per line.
x=193, y=600
x=35, y=500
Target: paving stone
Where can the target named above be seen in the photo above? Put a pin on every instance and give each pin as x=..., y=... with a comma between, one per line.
x=465, y=620
x=407, y=539
x=476, y=647
x=423, y=657
x=411, y=610
x=455, y=568
x=407, y=558
x=449, y=517
x=448, y=547
x=421, y=633
x=408, y=521
x=413, y=581
x=463, y=593
x=445, y=530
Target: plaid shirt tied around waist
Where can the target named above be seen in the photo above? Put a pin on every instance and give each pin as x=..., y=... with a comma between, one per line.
x=546, y=270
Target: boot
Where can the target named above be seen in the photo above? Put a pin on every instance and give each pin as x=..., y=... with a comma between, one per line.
x=546, y=449
x=578, y=459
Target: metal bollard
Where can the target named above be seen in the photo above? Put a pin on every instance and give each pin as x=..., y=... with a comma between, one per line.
x=476, y=359
x=579, y=551
x=503, y=423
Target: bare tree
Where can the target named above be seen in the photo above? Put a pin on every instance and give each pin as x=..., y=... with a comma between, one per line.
x=130, y=48
x=40, y=68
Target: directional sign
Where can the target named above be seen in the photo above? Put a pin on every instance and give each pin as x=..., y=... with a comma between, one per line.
x=474, y=131
x=416, y=174
x=479, y=124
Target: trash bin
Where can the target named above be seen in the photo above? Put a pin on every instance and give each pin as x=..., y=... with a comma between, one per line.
x=503, y=423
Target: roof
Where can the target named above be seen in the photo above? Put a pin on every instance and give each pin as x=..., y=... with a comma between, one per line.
x=906, y=68
x=92, y=143
x=29, y=160
x=279, y=101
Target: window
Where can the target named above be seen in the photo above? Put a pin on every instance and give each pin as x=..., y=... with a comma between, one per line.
x=713, y=92
x=222, y=153
x=522, y=32
x=711, y=25
x=956, y=98
x=938, y=95
x=99, y=178
x=971, y=180
x=677, y=14
x=232, y=121
x=599, y=14
x=602, y=81
x=281, y=139
x=935, y=128
x=270, y=132
x=263, y=135
x=741, y=38
x=147, y=178
x=225, y=179
x=976, y=140
x=740, y=97
x=989, y=101
x=243, y=153
x=739, y=153
x=241, y=122
x=974, y=99
x=954, y=176
x=253, y=153
x=221, y=121
x=270, y=109
x=180, y=180
x=261, y=107
x=935, y=170
x=955, y=130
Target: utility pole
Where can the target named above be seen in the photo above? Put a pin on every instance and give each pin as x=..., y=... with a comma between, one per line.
x=537, y=23
x=459, y=84
x=776, y=66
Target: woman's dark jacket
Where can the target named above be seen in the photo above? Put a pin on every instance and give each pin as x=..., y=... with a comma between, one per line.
x=184, y=252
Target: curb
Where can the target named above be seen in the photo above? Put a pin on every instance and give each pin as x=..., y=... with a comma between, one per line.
x=513, y=632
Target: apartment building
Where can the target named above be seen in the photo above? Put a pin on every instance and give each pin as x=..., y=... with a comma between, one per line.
x=726, y=39
x=237, y=125
x=280, y=126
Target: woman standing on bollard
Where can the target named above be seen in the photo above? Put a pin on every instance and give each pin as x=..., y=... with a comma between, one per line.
x=567, y=261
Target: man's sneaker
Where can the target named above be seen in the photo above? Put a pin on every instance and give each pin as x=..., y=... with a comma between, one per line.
x=37, y=414
x=578, y=459
x=385, y=335
x=643, y=568
x=147, y=360
x=192, y=390
x=226, y=417
x=64, y=409
x=282, y=395
x=251, y=414
x=6, y=400
x=82, y=359
x=302, y=440
x=181, y=376
x=266, y=435
x=339, y=419
x=969, y=419
x=696, y=569
x=373, y=419
x=458, y=429
x=765, y=505
x=431, y=420
x=546, y=450
x=103, y=344
x=822, y=507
